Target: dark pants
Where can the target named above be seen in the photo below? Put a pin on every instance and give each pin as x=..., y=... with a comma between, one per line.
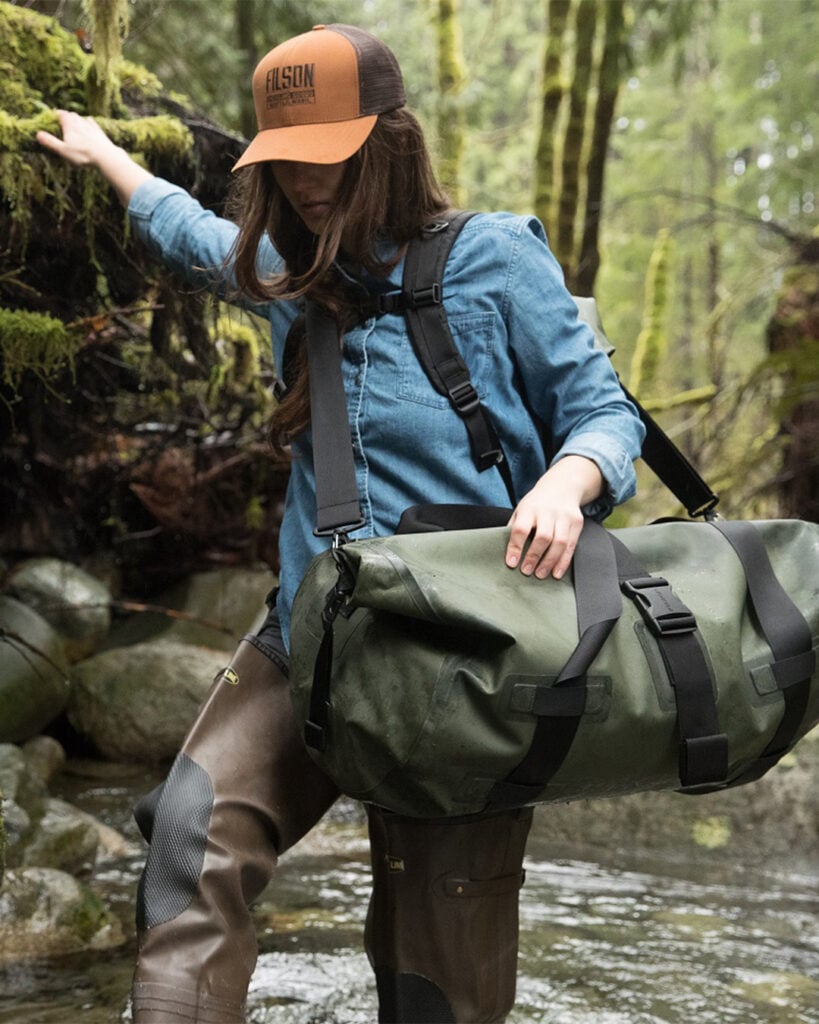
x=442, y=926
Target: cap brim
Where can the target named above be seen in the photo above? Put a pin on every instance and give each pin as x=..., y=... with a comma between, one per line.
x=329, y=143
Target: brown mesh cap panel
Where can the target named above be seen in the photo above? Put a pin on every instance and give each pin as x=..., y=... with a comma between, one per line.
x=380, y=85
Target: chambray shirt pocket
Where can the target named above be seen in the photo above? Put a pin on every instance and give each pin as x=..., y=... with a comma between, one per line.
x=474, y=335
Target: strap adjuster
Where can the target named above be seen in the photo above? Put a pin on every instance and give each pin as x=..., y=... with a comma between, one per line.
x=429, y=296
x=464, y=397
x=663, y=611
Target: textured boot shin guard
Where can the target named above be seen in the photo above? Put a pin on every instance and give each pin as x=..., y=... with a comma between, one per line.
x=241, y=790
x=442, y=929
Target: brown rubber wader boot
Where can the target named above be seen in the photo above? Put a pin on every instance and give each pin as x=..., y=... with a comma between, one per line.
x=442, y=928
x=241, y=791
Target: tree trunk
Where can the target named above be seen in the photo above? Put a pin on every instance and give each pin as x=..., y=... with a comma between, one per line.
x=557, y=12
x=245, y=11
x=609, y=78
x=794, y=328
x=571, y=164
x=450, y=113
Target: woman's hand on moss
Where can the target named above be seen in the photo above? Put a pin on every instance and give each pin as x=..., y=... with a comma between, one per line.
x=85, y=144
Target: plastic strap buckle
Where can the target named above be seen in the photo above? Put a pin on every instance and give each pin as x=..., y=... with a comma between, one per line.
x=429, y=296
x=464, y=397
x=662, y=610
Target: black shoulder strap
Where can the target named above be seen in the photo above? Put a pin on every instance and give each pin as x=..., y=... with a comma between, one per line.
x=428, y=327
x=429, y=332
x=338, y=509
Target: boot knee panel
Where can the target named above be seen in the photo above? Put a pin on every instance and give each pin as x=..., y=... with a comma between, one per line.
x=179, y=833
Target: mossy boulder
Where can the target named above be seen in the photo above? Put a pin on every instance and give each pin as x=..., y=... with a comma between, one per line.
x=46, y=912
x=33, y=672
x=137, y=703
x=75, y=604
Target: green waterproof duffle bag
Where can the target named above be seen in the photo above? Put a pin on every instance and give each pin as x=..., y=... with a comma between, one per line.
x=432, y=680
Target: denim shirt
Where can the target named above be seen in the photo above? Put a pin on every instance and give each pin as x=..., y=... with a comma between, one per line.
x=517, y=328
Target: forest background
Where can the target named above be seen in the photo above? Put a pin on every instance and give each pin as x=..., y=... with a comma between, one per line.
x=668, y=146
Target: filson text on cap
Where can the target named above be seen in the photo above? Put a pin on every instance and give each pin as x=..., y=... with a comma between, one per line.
x=291, y=76
x=290, y=85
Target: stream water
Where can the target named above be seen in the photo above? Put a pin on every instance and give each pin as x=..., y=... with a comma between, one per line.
x=629, y=941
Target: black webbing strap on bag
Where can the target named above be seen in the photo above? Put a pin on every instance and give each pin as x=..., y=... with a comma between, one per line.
x=786, y=632
x=703, y=748
x=560, y=706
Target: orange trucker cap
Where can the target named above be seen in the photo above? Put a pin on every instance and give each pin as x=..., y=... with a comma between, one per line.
x=318, y=95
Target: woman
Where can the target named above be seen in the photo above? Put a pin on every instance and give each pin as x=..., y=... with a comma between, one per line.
x=331, y=190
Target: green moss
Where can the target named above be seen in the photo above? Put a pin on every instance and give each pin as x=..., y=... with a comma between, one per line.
x=713, y=833
x=44, y=65
x=44, y=69
x=159, y=136
x=109, y=23
x=652, y=340
x=34, y=342
x=85, y=919
x=139, y=81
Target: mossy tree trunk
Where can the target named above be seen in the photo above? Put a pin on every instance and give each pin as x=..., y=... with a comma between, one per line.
x=450, y=111
x=245, y=11
x=557, y=13
x=652, y=339
x=572, y=155
x=608, y=87
x=109, y=24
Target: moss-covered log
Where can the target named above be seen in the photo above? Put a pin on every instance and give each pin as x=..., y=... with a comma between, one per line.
x=106, y=364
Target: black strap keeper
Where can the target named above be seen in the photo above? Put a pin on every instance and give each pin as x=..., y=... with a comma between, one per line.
x=704, y=760
x=315, y=736
x=560, y=701
x=792, y=671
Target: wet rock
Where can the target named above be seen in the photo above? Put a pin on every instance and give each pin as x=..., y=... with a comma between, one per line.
x=76, y=605
x=136, y=703
x=65, y=838
x=42, y=831
x=44, y=756
x=217, y=608
x=776, y=816
x=24, y=796
x=33, y=672
x=46, y=912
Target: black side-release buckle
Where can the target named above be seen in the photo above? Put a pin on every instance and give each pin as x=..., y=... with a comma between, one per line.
x=662, y=610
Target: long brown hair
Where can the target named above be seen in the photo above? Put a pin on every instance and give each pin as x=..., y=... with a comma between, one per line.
x=387, y=194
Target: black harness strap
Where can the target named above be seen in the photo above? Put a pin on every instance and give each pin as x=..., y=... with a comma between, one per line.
x=421, y=303
x=431, y=338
